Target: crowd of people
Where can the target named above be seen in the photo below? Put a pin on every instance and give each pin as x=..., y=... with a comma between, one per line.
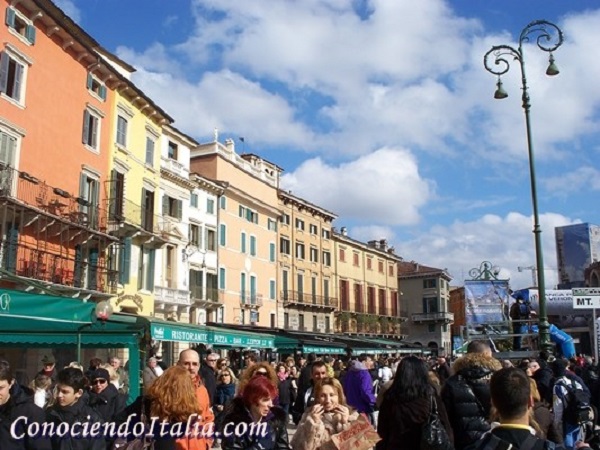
x=481, y=402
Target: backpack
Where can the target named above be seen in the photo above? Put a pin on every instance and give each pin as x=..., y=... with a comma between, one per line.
x=492, y=442
x=578, y=409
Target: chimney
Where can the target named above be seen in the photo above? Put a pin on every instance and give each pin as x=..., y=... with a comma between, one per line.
x=383, y=244
x=373, y=244
x=230, y=145
x=344, y=231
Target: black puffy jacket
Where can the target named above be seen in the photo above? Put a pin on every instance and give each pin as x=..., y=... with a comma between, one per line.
x=108, y=403
x=466, y=396
x=79, y=413
x=20, y=404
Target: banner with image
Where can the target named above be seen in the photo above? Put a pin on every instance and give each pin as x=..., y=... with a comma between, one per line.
x=486, y=301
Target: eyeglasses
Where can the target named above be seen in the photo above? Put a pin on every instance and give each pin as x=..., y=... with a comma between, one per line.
x=211, y=360
x=99, y=381
x=261, y=373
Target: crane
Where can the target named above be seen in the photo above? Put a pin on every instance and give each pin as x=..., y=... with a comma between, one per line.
x=533, y=273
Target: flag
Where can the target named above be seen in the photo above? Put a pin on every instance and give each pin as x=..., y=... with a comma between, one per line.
x=242, y=139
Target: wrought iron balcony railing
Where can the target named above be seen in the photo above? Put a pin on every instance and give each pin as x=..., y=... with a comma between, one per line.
x=446, y=317
x=308, y=299
x=251, y=299
x=77, y=270
x=213, y=295
x=29, y=191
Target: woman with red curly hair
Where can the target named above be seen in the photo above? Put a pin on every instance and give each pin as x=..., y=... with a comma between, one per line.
x=258, y=424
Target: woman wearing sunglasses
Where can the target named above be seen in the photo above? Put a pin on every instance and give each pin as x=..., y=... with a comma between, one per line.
x=263, y=369
x=104, y=397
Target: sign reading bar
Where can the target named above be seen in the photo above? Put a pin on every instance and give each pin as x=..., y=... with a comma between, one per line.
x=586, y=298
x=234, y=340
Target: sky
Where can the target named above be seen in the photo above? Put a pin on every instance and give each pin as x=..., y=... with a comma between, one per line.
x=382, y=112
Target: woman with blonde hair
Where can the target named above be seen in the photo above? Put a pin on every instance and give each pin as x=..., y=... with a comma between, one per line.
x=171, y=398
x=259, y=369
x=543, y=417
x=329, y=415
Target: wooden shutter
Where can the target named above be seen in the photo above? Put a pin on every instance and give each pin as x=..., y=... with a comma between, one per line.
x=10, y=17
x=86, y=127
x=30, y=33
x=4, y=61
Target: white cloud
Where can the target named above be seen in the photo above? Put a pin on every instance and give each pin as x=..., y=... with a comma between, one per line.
x=383, y=187
x=371, y=233
x=581, y=179
x=506, y=242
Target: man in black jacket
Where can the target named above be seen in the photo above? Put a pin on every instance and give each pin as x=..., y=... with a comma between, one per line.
x=511, y=396
x=17, y=408
x=466, y=394
x=208, y=372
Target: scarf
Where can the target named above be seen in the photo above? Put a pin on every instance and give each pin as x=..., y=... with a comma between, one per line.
x=282, y=376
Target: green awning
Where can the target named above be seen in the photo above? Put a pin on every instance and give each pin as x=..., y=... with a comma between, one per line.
x=324, y=350
x=35, y=312
x=221, y=337
x=306, y=345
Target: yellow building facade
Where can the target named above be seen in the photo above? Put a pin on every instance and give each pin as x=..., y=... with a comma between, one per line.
x=306, y=277
x=366, y=278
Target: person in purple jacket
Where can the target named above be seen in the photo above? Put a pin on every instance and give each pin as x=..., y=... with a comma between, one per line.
x=358, y=386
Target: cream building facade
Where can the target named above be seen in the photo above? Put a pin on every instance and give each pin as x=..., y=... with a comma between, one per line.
x=306, y=278
x=425, y=300
x=367, y=287
x=247, y=231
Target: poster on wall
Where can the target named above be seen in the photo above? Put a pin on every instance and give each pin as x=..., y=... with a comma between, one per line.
x=486, y=306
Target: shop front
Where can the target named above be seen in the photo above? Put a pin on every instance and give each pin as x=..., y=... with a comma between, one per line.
x=35, y=325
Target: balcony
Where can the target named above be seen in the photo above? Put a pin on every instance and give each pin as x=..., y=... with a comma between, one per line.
x=380, y=311
x=61, y=209
x=175, y=167
x=70, y=269
x=295, y=298
x=213, y=298
x=126, y=218
x=445, y=317
x=367, y=325
x=251, y=300
x=172, y=296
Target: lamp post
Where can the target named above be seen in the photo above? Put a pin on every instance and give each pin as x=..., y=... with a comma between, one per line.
x=548, y=38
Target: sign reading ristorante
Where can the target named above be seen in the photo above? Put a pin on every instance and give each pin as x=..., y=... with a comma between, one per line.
x=168, y=332
x=171, y=333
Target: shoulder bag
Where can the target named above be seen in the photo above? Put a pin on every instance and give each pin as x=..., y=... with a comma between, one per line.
x=433, y=432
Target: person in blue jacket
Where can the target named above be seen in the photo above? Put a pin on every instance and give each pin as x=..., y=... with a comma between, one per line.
x=358, y=385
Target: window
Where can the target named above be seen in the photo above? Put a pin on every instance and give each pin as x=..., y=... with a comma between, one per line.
x=252, y=245
x=8, y=149
x=20, y=25
x=222, y=278
x=210, y=205
x=271, y=225
x=355, y=259
x=380, y=266
x=194, y=200
x=223, y=202
x=301, y=322
x=300, y=224
x=326, y=258
x=327, y=324
x=285, y=219
x=299, y=250
x=172, y=150
x=430, y=305
x=315, y=323
x=431, y=328
x=146, y=269
x=89, y=190
x=91, y=129
x=96, y=87
x=286, y=320
x=284, y=245
x=121, y=131
x=150, y=144
x=211, y=240
x=313, y=229
x=251, y=216
x=222, y=235
x=314, y=254
x=243, y=242
x=326, y=233
x=300, y=282
x=147, y=209
x=326, y=291
x=391, y=270
x=272, y=251
x=369, y=263
x=13, y=71
x=172, y=207
x=194, y=235
x=429, y=283
x=272, y=289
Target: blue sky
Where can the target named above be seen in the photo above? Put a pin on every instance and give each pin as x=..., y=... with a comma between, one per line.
x=382, y=111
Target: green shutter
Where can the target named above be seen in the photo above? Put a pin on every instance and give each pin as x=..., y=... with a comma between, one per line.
x=125, y=261
x=17, y=82
x=272, y=252
x=179, y=209
x=78, y=272
x=10, y=255
x=222, y=278
x=90, y=80
x=253, y=245
x=165, y=205
x=222, y=236
x=30, y=33
x=241, y=211
x=93, y=269
x=102, y=92
x=86, y=127
x=10, y=17
x=243, y=242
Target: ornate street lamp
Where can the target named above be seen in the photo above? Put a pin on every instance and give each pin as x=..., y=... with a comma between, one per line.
x=486, y=271
x=548, y=38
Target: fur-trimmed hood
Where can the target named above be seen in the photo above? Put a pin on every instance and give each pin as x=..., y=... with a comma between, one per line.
x=476, y=366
